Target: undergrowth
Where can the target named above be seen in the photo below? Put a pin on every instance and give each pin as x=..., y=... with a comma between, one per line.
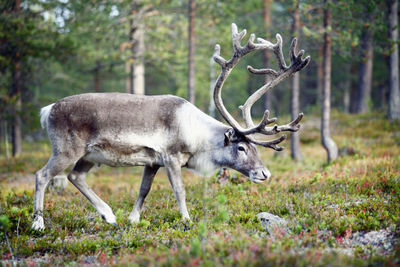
x=322, y=203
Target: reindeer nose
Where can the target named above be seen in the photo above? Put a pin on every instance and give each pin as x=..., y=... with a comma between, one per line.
x=266, y=174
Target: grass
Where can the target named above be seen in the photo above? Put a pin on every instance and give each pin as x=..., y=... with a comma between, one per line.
x=323, y=204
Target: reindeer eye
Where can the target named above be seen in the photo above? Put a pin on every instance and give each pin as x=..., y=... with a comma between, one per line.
x=241, y=148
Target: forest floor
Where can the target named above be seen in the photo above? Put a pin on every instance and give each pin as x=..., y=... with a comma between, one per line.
x=338, y=214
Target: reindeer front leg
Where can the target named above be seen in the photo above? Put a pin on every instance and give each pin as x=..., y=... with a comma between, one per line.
x=147, y=181
x=173, y=168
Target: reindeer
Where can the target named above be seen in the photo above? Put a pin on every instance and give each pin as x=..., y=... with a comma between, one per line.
x=119, y=129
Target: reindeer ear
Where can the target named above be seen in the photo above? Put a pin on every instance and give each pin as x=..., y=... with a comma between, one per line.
x=229, y=136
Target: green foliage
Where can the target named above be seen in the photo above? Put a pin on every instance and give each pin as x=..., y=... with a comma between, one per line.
x=4, y=223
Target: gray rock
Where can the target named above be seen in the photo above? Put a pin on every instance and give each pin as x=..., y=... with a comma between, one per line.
x=273, y=224
x=379, y=240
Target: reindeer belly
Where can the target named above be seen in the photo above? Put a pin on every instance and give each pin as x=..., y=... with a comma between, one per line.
x=118, y=155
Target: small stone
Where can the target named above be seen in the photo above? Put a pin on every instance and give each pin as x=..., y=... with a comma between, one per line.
x=273, y=224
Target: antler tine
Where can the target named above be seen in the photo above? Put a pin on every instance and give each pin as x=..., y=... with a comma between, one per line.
x=279, y=54
x=237, y=37
x=292, y=126
x=293, y=49
x=261, y=128
x=265, y=42
x=271, y=144
x=269, y=72
x=217, y=57
x=266, y=120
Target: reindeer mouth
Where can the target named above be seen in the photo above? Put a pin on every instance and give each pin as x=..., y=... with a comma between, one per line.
x=259, y=176
x=257, y=181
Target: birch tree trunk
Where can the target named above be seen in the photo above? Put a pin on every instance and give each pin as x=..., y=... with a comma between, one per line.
x=134, y=67
x=138, y=62
x=320, y=75
x=394, y=95
x=295, y=139
x=191, y=91
x=267, y=22
x=327, y=141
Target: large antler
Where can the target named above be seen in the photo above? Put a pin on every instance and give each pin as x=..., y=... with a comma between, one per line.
x=296, y=64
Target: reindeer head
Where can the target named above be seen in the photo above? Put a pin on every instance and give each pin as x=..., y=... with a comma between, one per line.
x=241, y=155
x=239, y=140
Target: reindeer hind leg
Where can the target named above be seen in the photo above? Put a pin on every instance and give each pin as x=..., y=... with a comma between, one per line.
x=77, y=178
x=56, y=164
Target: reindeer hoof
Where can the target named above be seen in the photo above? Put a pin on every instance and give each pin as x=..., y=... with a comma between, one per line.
x=134, y=218
x=111, y=219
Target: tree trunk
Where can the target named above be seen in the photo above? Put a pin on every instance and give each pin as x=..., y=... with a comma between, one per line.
x=129, y=64
x=267, y=19
x=394, y=95
x=138, y=63
x=191, y=93
x=327, y=142
x=295, y=139
x=365, y=70
x=134, y=67
x=320, y=69
x=15, y=95
x=320, y=74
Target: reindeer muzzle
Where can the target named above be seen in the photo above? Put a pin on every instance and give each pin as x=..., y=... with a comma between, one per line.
x=259, y=175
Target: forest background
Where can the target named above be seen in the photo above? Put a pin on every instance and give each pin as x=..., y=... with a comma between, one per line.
x=52, y=49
